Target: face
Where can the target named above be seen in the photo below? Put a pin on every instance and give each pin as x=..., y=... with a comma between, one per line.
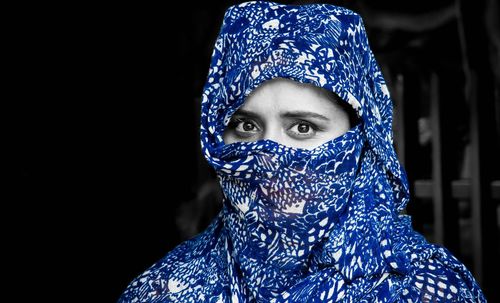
x=290, y=113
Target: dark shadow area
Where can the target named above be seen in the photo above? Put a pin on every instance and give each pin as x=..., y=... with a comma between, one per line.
x=104, y=123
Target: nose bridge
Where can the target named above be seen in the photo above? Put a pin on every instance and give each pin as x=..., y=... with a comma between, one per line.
x=273, y=132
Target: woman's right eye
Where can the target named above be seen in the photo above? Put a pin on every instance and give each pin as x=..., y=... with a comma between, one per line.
x=244, y=127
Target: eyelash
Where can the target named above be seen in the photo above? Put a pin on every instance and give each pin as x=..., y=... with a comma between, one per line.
x=234, y=123
x=313, y=126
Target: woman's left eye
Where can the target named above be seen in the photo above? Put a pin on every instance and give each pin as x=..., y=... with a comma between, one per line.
x=303, y=129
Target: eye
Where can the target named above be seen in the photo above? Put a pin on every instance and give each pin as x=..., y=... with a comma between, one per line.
x=244, y=127
x=247, y=126
x=303, y=129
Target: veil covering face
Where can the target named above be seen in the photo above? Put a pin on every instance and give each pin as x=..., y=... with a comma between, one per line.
x=298, y=225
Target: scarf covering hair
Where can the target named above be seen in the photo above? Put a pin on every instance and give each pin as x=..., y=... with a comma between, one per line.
x=298, y=225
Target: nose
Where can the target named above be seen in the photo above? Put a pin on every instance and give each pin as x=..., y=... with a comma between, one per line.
x=274, y=133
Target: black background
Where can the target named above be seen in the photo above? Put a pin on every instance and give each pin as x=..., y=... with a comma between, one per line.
x=102, y=125
x=102, y=110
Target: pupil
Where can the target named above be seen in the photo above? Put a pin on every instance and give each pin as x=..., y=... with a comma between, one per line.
x=247, y=126
x=303, y=128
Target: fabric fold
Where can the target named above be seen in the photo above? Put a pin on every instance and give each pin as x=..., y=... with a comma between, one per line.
x=304, y=225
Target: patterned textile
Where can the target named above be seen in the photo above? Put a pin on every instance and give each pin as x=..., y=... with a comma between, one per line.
x=298, y=225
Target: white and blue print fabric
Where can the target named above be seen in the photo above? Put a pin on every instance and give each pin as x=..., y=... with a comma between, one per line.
x=298, y=225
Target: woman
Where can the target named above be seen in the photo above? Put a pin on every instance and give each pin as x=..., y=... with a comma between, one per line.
x=312, y=198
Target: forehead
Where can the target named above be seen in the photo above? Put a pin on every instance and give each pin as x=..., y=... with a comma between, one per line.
x=284, y=85
x=289, y=94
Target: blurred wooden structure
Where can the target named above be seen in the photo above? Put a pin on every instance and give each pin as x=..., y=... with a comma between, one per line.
x=445, y=87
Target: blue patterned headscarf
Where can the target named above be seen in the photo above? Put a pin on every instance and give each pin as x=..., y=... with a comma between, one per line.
x=304, y=225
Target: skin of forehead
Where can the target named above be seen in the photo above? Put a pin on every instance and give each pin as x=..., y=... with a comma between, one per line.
x=281, y=85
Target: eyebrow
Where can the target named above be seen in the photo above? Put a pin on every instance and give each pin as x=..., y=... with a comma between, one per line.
x=246, y=113
x=289, y=114
x=303, y=114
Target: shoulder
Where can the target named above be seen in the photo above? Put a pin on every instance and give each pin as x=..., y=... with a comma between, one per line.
x=182, y=273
